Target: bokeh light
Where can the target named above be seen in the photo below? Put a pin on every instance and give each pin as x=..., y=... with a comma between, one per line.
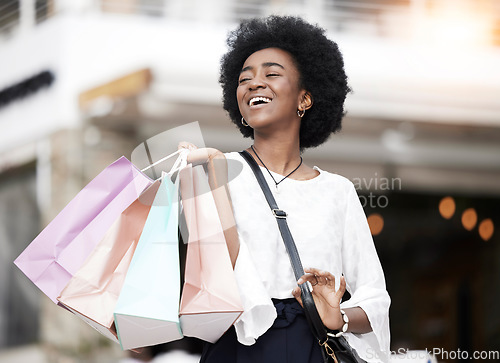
x=447, y=207
x=486, y=229
x=376, y=223
x=469, y=219
x=456, y=24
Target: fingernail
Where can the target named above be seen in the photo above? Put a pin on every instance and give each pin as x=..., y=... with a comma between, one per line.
x=299, y=281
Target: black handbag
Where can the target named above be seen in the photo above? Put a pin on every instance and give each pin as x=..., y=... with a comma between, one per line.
x=335, y=349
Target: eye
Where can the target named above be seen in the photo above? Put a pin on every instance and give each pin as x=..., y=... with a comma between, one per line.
x=242, y=80
x=273, y=75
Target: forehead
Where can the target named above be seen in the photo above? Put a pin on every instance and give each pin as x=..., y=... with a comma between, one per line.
x=271, y=55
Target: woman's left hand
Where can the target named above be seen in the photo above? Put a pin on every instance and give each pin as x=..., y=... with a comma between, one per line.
x=325, y=296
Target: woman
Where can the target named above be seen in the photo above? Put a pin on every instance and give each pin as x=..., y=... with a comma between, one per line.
x=284, y=86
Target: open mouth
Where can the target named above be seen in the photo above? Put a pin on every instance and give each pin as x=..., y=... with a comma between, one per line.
x=258, y=101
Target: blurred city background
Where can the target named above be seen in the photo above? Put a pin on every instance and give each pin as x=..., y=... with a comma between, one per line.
x=83, y=82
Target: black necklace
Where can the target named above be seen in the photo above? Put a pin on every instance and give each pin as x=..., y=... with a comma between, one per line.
x=275, y=182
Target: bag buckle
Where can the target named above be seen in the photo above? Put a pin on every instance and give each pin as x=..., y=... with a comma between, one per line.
x=329, y=351
x=279, y=213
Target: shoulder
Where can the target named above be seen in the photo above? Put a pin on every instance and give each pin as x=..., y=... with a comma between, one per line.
x=233, y=155
x=235, y=163
x=238, y=169
x=336, y=179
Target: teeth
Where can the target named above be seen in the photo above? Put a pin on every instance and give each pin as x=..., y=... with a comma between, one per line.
x=256, y=99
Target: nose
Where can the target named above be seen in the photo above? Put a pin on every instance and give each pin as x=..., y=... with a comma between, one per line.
x=256, y=82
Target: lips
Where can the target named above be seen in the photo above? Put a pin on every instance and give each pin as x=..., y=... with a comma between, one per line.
x=259, y=100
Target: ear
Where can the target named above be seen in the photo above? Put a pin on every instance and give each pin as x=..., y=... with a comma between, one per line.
x=306, y=102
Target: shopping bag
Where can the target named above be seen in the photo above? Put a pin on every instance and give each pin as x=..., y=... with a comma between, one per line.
x=147, y=311
x=210, y=301
x=92, y=292
x=61, y=248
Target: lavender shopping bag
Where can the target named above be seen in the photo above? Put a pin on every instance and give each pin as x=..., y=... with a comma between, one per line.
x=93, y=291
x=54, y=256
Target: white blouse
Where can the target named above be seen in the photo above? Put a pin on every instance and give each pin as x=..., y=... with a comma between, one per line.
x=330, y=230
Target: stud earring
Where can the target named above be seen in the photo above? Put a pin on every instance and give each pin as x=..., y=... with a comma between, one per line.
x=243, y=122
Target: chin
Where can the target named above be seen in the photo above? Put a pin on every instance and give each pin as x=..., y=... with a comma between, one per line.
x=260, y=122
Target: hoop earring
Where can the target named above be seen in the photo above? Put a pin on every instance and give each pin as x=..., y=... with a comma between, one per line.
x=243, y=122
x=301, y=114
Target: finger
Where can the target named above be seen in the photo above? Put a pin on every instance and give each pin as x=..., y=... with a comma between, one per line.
x=312, y=270
x=322, y=277
x=322, y=280
x=330, y=279
x=342, y=286
x=186, y=145
x=319, y=274
x=296, y=295
x=341, y=290
x=313, y=280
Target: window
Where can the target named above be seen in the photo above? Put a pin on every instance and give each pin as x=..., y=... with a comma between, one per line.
x=9, y=16
x=19, y=225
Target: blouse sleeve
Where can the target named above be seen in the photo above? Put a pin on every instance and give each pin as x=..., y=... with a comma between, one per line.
x=258, y=309
x=365, y=282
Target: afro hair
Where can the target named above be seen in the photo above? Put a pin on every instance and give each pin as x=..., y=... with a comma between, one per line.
x=318, y=60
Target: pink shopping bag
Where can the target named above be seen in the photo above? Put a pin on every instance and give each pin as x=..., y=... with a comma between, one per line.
x=93, y=291
x=61, y=248
x=210, y=301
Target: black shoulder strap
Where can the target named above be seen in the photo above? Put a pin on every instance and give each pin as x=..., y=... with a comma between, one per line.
x=312, y=315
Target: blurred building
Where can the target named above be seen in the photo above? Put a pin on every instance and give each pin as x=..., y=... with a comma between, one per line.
x=83, y=82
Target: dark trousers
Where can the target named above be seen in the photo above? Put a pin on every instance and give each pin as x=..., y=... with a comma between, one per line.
x=289, y=340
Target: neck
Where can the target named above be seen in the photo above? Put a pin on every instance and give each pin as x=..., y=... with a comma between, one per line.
x=280, y=156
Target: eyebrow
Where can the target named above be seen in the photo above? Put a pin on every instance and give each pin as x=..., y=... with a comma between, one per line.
x=265, y=65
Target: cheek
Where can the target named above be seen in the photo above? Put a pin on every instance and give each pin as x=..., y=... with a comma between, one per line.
x=287, y=87
x=239, y=96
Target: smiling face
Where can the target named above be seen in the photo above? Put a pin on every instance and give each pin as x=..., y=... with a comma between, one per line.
x=268, y=90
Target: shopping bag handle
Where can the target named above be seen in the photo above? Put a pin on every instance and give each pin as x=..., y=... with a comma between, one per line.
x=180, y=163
x=162, y=159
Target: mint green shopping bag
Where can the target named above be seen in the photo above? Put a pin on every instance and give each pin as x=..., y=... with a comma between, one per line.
x=147, y=311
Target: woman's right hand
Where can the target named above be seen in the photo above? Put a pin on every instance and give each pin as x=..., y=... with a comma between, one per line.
x=198, y=156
